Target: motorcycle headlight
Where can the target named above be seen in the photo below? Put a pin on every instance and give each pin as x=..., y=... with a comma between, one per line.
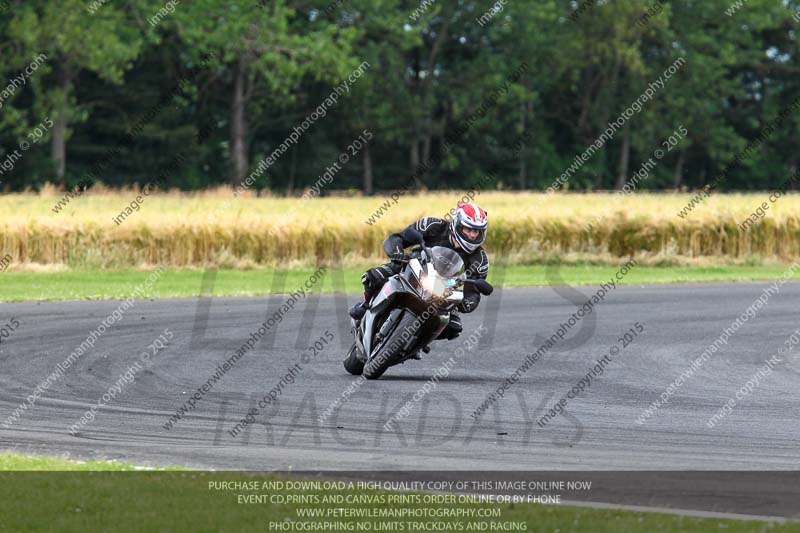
x=430, y=285
x=437, y=286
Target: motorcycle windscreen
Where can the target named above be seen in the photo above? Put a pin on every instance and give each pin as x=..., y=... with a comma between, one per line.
x=446, y=262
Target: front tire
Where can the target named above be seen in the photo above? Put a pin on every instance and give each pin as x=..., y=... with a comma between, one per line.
x=352, y=363
x=391, y=349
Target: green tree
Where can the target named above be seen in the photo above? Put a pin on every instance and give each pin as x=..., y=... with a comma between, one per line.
x=73, y=39
x=264, y=51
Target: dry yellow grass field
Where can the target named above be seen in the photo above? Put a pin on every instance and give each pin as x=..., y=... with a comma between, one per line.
x=213, y=228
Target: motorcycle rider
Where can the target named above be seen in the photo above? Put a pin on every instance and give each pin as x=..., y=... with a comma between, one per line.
x=464, y=233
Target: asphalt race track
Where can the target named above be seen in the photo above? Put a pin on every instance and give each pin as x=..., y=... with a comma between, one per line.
x=599, y=430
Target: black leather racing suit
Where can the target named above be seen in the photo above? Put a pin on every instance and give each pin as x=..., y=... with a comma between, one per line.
x=436, y=232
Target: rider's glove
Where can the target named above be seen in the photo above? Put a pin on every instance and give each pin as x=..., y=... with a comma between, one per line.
x=398, y=257
x=469, y=303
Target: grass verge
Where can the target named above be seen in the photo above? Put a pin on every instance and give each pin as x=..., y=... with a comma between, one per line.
x=40, y=463
x=196, y=501
x=97, y=284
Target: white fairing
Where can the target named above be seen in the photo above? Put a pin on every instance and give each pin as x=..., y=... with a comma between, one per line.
x=416, y=267
x=369, y=319
x=457, y=296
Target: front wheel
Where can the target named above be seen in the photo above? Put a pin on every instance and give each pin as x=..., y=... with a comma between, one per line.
x=352, y=363
x=391, y=349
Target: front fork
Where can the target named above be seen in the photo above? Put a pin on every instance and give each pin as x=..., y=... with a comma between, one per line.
x=444, y=319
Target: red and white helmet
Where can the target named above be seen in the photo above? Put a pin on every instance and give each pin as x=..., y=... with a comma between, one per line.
x=471, y=216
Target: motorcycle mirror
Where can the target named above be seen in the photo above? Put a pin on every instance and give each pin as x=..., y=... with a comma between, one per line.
x=425, y=253
x=482, y=286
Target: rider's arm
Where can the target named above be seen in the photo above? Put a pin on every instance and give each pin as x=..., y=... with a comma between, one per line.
x=478, y=269
x=397, y=242
x=413, y=234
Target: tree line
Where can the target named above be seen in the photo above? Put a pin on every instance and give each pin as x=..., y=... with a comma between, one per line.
x=98, y=91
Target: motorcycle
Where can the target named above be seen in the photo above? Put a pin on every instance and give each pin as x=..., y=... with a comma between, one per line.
x=410, y=311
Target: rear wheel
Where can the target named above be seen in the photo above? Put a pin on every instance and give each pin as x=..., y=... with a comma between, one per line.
x=391, y=349
x=352, y=363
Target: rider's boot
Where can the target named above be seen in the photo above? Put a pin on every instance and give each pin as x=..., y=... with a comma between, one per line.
x=358, y=311
x=417, y=356
x=373, y=279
